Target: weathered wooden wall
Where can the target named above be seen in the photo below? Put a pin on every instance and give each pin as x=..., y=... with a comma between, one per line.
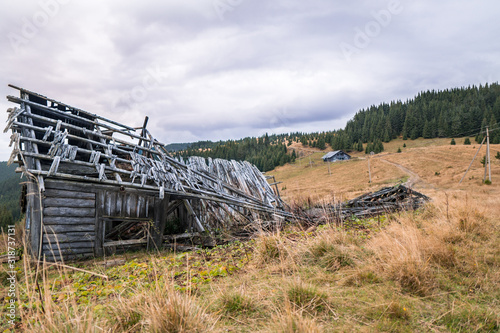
x=69, y=219
x=77, y=215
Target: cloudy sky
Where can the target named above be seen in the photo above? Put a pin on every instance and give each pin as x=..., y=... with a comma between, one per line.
x=225, y=69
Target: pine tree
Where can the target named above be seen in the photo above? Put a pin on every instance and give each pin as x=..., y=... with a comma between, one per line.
x=399, y=149
x=378, y=147
x=321, y=143
x=467, y=141
x=387, y=137
x=453, y=142
x=369, y=148
x=360, y=146
x=427, y=133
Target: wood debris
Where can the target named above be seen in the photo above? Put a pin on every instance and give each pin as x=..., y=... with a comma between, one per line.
x=386, y=200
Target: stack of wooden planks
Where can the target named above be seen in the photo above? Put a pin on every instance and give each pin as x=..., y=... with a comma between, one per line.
x=386, y=200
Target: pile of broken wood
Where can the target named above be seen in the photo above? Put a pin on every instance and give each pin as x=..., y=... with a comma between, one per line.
x=386, y=200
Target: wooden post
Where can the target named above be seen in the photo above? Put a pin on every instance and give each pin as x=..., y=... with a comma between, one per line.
x=329, y=172
x=99, y=224
x=35, y=219
x=488, y=153
x=472, y=161
x=369, y=169
x=160, y=221
x=143, y=132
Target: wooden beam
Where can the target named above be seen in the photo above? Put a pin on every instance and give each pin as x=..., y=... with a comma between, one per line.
x=71, y=107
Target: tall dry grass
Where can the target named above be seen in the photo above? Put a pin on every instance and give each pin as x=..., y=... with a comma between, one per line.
x=160, y=309
x=299, y=280
x=156, y=308
x=411, y=250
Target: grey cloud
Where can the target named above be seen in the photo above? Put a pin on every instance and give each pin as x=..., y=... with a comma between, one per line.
x=260, y=66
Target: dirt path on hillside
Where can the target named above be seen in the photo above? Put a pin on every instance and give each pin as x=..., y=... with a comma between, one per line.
x=414, y=178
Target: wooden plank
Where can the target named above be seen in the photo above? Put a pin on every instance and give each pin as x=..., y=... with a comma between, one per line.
x=35, y=218
x=69, y=202
x=71, y=107
x=63, y=220
x=69, y=212
x=77, y=168
x=68, y=237
x=56, y=229
x=70, y=116
x=99, y=225
x=69, y=186
x=57, y=258
x=131, y=205
x=111, y=203
x=125, y=242
x=58, y=252
x=119, y=204
x=181, y=236
x=141, y=206
x=125, y=218
x=150, y=206
x=91, y=187
x=73, y=245
x=58, y=193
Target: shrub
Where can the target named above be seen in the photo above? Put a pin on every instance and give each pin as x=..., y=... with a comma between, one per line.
x=331, y=249
x=270, y=248
x=236, y=303
x=362, y=277
x=306, y=297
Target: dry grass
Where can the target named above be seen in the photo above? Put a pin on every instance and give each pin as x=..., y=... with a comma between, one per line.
x=435, y=270
x=160, y=309
x=291, y=320
x=438, y=164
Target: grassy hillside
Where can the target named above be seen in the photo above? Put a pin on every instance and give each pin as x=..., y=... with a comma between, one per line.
x=436, y=162
x=434, y=270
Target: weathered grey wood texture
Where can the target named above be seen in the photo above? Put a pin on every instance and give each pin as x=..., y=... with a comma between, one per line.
x=92, y=183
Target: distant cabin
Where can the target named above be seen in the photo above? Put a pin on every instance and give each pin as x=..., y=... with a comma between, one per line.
x=337, y=155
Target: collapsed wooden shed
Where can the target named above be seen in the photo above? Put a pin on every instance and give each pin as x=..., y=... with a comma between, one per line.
x=94, y=184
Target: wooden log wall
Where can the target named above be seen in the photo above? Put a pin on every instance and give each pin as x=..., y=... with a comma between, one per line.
x=76, y=215
x=69, y=216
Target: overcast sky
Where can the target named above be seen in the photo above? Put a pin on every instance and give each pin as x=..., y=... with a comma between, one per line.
x=226, y=69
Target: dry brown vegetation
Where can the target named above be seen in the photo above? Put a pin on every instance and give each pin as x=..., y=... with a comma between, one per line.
x=434, y=270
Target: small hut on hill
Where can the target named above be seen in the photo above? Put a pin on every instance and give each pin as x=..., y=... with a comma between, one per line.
x=337, y=155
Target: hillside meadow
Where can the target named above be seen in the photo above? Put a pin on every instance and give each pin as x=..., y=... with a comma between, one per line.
x=433, y=270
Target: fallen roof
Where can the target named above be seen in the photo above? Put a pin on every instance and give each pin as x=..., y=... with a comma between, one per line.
x=48, y=134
